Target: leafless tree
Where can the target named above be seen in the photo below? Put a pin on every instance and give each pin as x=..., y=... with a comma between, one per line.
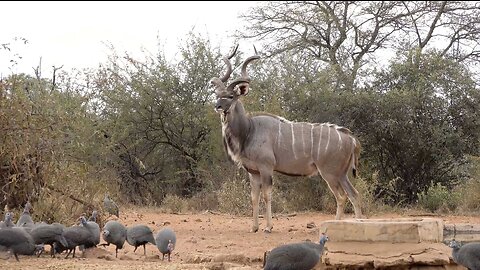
x=348, y=35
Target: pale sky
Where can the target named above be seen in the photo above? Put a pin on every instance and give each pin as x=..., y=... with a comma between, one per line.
x=76, y=34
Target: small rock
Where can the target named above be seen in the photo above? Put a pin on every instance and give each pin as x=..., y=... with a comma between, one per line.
x=192, y=240
x=198, y=259
x=311, y=225
x=108, y=258
x=217, y=266
x=152, y=258
x=238, y=258
x=125, y=258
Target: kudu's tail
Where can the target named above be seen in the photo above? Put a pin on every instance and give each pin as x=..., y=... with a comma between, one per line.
x=356, y=155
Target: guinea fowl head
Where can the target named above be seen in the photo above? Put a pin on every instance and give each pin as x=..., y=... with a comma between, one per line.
x=454, y=244
x=323, y=239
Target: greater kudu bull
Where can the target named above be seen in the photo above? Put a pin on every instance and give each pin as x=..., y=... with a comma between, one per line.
x=266, y=143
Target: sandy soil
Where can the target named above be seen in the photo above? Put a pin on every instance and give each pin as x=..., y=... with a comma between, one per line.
x=204, y=241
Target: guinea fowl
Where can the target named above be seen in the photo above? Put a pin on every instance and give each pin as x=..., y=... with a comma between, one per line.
x=25, y=219
x=140, y=235
x=48, y=234
x=93, y=217
x=110, y=206
x=94, y=229
x=304, y=255
x=78, y=235
x=114, y=233
x=18, y=241
x=8, y=221
x=467, y=255
x=165, y=241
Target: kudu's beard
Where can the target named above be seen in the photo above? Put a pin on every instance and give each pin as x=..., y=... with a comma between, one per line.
x=224, y=113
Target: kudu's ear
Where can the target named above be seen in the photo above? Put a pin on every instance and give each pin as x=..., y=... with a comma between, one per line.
x=217, y=85
x=243, y=89
x=232, y=87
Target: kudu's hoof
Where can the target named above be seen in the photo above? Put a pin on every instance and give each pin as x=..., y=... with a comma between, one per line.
x=267, y=230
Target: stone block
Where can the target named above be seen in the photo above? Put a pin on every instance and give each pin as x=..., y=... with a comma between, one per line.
x=400, y=230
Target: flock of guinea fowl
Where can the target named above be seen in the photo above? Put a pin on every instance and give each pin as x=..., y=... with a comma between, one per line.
x=26, y=237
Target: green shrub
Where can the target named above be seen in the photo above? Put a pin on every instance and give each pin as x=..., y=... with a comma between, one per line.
x=366, y=190
x=173, y=204
x=205, y=200
x=234, y=196
x=470, y=189
x=438, y=197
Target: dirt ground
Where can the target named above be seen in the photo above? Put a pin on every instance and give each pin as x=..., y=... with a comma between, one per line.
x=204, y=241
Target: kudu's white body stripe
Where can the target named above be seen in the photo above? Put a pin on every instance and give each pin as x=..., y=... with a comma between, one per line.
x=339, y=139
x=311, y=140
x=319, y=142
x=303, y=141
x=328, y=139
x=279, y=140
x=293, y=141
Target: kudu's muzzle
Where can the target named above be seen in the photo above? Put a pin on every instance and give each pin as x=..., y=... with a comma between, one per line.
x=222, y=105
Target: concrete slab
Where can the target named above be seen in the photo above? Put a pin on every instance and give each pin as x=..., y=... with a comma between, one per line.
x=351, y=255
x=461, y=232
x=399, y=230
x=401, y=243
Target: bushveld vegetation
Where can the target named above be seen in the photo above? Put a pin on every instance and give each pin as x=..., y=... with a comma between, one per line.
x=145, y=129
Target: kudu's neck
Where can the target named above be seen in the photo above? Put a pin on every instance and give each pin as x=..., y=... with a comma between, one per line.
x=238, y=119
x=238, y=122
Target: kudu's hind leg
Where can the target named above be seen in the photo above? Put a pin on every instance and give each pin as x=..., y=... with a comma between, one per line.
x=255, y=183
x=352, y=194
x=338, y=192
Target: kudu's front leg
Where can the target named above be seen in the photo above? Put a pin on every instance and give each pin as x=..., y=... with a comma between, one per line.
x=267, y=196
x=255, y=185
x=261, y=183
